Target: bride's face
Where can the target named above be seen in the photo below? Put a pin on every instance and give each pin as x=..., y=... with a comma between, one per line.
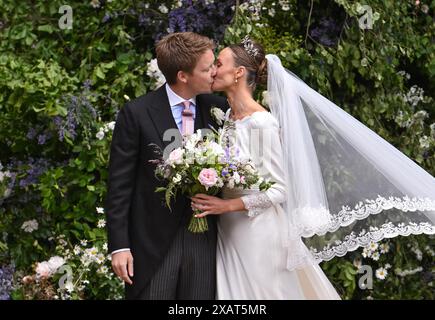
x=225, y=71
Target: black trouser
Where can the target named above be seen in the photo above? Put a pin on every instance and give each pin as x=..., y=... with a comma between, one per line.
x=187, y=272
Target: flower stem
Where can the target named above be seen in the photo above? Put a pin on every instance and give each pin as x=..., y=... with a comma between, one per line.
x=197, y=225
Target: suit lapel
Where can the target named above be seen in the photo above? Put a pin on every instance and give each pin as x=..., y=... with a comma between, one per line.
x=162, y=118
x=202, y=113
x=161, y=115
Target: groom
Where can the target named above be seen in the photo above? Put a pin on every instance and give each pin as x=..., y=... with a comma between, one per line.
x=152, y=250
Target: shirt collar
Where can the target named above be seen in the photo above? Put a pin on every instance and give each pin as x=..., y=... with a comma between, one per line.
x=175, y=99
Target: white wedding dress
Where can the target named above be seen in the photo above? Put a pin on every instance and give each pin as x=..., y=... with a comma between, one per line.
x=251, y=251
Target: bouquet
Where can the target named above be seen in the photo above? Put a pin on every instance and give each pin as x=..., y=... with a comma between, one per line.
x=201, y=165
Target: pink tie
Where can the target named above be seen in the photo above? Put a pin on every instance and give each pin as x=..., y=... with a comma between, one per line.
x=187, y=119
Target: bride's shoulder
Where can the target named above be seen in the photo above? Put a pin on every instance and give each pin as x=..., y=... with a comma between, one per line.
x=263, y=119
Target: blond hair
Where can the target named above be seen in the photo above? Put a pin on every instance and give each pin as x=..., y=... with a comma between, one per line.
x=180, y=51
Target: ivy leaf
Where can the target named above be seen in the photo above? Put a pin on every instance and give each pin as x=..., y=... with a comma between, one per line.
x=46, y=28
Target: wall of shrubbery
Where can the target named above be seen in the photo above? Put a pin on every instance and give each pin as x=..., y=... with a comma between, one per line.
x=60, y=91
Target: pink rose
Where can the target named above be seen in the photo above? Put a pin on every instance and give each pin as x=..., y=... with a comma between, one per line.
x=208, y=178
x=242, y=180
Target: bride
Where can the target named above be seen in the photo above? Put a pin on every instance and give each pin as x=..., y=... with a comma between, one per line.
x=337, y=185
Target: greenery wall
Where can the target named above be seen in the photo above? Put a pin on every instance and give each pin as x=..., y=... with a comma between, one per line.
x=60, y=91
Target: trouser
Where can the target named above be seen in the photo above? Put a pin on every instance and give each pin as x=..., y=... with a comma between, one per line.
x=188, y=271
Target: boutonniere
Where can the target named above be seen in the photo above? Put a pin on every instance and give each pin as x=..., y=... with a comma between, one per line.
x=218, y=115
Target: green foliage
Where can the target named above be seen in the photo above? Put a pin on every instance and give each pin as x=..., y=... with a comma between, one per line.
x=60, y=91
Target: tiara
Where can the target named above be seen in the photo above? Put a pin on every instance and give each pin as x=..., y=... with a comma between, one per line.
x=249, y=46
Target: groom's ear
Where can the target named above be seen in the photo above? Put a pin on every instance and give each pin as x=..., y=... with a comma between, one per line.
x=182, y=76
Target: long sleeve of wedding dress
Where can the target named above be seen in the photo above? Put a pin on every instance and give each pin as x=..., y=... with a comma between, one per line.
x=266, y=152
x=251, y=252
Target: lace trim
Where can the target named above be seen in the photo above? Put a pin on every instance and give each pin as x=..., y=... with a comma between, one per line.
x=310, y=220
x=362, y=210
x=353, y=241
x=255, y=203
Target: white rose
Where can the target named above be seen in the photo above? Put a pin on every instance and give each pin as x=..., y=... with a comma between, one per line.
x=176, y=156
x=216, y=148
x=250, y=169
x=100, y=134
x=199, y=157
x=55, y=263
x=230, y=183
x=111, y=125
x=236, y=177
x=220, y=183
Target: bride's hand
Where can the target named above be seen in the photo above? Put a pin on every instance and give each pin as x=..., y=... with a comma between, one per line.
x=209, y=205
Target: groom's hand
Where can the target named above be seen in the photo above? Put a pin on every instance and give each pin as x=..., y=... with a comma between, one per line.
x=122, y=264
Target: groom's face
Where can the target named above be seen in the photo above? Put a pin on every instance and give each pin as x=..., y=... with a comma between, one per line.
x=200, y=80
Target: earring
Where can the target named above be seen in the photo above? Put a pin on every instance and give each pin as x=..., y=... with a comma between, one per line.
x=236, y=80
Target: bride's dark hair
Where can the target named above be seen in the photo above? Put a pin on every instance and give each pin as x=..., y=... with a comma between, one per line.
x=251, y=55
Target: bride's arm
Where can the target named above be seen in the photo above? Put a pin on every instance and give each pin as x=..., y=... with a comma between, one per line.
x=269, y=163
x=269, y=160
x=214, y=205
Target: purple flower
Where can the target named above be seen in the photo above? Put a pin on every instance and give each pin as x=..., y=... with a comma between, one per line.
x=80, y=114
x=34, y=168
x=87, y=84
x=200, y=16
x=6, y=281
x=105, y=18
x=42, y=138
x=227, y=152
x=31, y=133
x=326, y=33
x=224, y=172
x=143, y=20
